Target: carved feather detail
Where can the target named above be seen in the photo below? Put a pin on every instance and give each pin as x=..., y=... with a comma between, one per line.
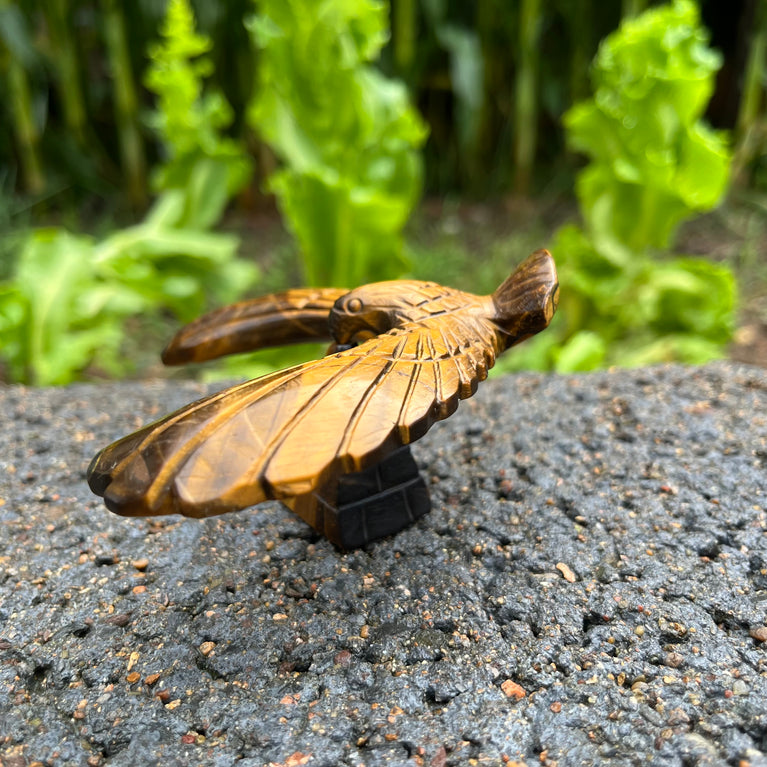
x=416, y=349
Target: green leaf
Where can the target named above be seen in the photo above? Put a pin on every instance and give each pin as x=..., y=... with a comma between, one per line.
x=693, y=296
x=686, y=348
x=14, y=314
x=466, y=75
x=586, y=350
x=206, y=165
x=207, y=193
x=653, y=164
x=652, y=158
x=50, y=294
x=67, y=301
x=351, y=172
x=15, y=35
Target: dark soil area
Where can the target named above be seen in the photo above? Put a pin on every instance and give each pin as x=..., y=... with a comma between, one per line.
x=589, y=588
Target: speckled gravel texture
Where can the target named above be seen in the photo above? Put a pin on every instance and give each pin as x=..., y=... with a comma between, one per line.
x=589, y=588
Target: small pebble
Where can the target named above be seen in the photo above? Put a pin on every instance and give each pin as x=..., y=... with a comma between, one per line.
x=512, y=690
x=567, y=573
x=673, y=660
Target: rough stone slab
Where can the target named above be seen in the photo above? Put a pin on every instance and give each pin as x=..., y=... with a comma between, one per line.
x=590, y=588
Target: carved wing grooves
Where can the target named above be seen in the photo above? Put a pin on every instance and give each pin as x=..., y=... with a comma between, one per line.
x=370, y=391
x=437, y=388
x=465, y=377
x=415, y=374
x=174, y=455
x=289, y=317
x=282, y=435
x=293, y=434
x=464, y=352
x=155, y=430
x=183, y=450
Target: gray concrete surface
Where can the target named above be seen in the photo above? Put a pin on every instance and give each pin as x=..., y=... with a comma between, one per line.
x=590, y=588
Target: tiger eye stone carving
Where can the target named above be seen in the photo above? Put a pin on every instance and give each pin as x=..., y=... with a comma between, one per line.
x=329, y=437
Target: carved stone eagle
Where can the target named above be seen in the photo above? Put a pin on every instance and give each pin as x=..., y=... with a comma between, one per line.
x=327, y=438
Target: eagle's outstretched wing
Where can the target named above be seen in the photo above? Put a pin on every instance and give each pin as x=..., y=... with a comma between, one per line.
x=289, y=317
x=290, y=433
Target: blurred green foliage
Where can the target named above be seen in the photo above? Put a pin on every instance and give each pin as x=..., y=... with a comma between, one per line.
x=67, y=300
x=491, y=78
x=197, y=155
x=351, y=171
x=653, y=163
x=347, y=136
x=350, y=148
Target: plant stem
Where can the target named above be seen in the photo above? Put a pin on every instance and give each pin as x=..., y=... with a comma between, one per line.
x=403, y=39
x=750, y=127
x=27, y=134
x=492, y=77
x=526, y=102
x=581, y=25
x=343, y=269
x=67, y=67
x=126, y=103
x=633, y=8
